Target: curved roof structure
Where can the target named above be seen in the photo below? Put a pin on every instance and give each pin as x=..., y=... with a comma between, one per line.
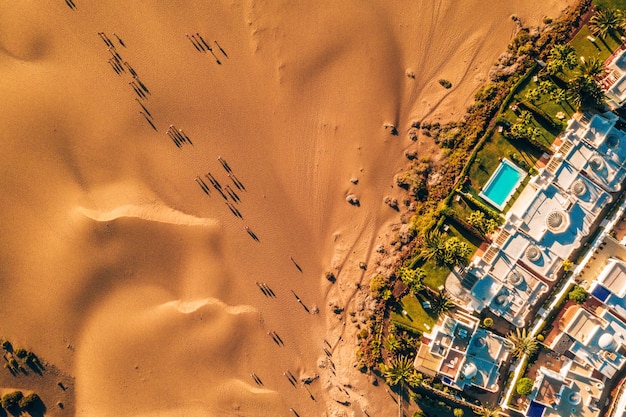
x=557, y=221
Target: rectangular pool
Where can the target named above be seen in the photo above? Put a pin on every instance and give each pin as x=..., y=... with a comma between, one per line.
x=502, y=184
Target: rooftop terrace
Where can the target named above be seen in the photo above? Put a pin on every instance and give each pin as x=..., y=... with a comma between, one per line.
x=596, y=338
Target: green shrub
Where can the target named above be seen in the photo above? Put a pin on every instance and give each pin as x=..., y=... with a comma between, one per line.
x=484, y=207
x=524, y=386
x=488, y=322
x=11, y=400
x=483, y=224
x=578, y=294
x=519, y=161
x=458, y=412
x=540, y=338
x=21, y=353
x=378, y=285
x=29, y=401
x=445, y=83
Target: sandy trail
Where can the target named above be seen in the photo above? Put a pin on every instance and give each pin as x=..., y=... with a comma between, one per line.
x=121, y=269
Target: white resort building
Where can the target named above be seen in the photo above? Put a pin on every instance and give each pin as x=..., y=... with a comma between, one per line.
x=571, y=391
x=462, y=354
x=595, y=339
x=610, y=287
x=553, y=215
x=614, y=83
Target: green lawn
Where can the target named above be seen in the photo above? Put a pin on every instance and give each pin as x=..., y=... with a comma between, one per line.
x=416, y=318
x=608, y=4
x=462, y=208
x=601, y=48
x=459, y=231
x=546, y=104
x=435, y=275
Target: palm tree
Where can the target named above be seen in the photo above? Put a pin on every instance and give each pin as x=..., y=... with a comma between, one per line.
x=523, y=343
x=546, y=87
x=584, y=91
x=558, y=95
x=591, y=67
x=441, y=303
x=533, y=95
x=399, y=371
x=415, y=379
x=456, y=253
x=487, y=411
x=524, y=118
x=605, y=22
x=434, y=247
x=392, y=344
x=478, y=221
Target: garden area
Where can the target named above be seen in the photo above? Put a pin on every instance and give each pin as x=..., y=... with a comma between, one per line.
x=411, y=314
x=539, y=105
x=435, y=268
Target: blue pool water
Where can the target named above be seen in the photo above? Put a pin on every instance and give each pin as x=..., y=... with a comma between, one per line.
x=502, y=184
x=601, y=293
x=535, y=410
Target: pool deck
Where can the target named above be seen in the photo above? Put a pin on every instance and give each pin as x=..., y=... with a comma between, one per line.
x=522, y=175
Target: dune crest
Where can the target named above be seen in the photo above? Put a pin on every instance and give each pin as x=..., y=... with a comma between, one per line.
x=151, y=212
x=187, y=307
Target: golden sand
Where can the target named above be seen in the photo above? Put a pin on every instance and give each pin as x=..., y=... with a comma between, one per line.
x=119, y=268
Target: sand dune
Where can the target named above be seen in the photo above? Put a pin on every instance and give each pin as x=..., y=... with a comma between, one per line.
x=120, y=268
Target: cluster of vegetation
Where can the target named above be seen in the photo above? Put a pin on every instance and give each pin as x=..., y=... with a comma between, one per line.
x=479, y=221
x=15, y=402
x=578, y=294
x=445, y=251
x=445, y=83
x=17, y=359
x=524, y=386
x=415, y=180
x=459, y=138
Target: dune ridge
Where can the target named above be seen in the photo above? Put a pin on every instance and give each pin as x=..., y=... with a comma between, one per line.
x=191, y=306
x=153, y=212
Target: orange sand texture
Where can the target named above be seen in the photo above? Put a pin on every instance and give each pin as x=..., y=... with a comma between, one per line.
x=118, y=269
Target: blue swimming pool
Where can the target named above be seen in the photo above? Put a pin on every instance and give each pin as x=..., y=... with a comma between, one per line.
x=535, y=409
x=600, y=293
x=502, y=184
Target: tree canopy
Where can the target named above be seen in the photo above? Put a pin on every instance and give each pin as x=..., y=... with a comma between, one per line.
x=605, y=22
x=524, y=386
x=578, y=294
x=413, y=278
x=482, y=223
x=523, y=343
